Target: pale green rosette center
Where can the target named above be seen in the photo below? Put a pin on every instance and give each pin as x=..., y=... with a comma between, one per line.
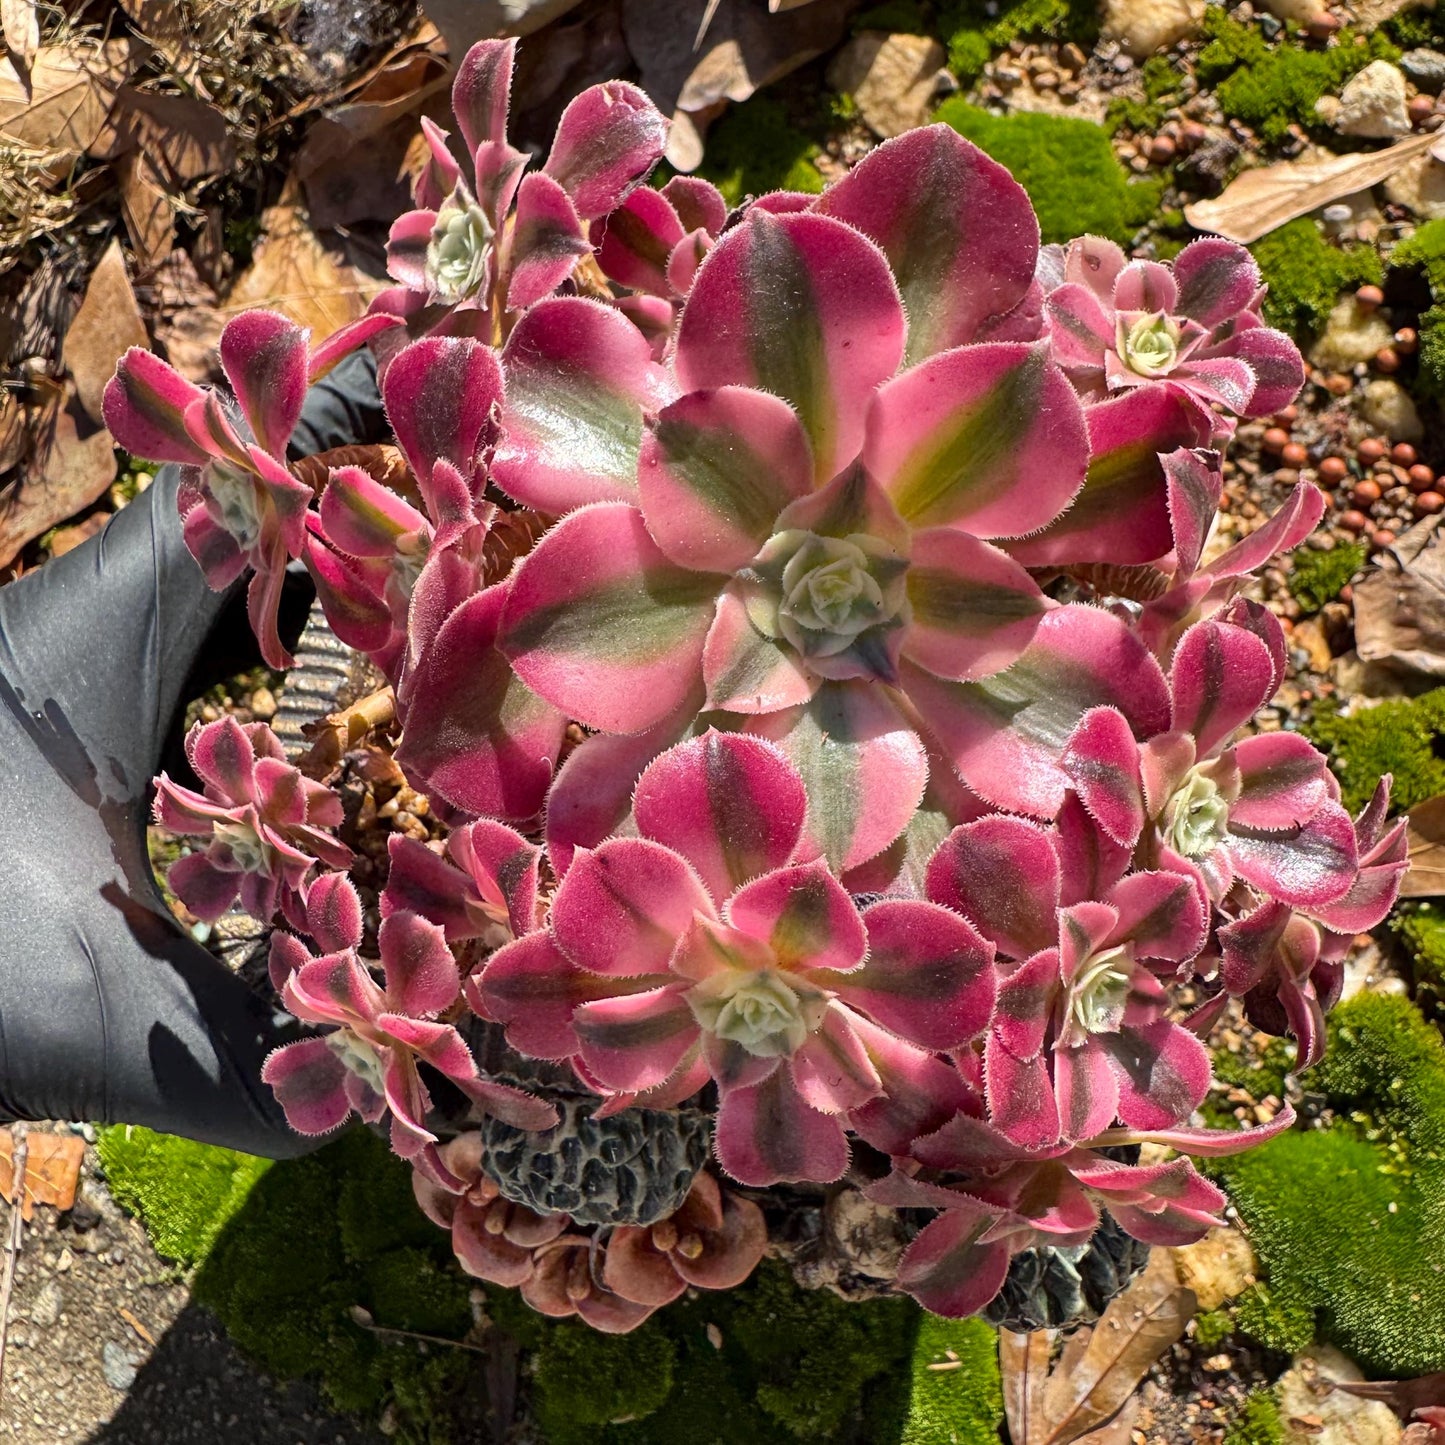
x=234, y=493
x=1151, y=346
x=761, y=1010
x=1196, y=816
x=456, y=255
x=1100, y=991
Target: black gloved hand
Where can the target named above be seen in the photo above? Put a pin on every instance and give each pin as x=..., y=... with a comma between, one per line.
x=109, y=1010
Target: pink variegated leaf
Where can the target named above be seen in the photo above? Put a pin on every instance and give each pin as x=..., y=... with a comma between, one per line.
x=421, y=974
x=958, y=231
x=205, y=890
x=832, y=1071
x=1221, y=379
x=766, y=1135
x=482, y=91
x=989, y=438
x=920, y=1091
x=1002, y=874
x=1095, y=263
x=1206, y=1143
x=609, y=137
x=343, y=341
x=929, y=976
x=699, y=204
x=351, y=592
x=1163, y=915
x=1216, y=278
x=1146, y=286
x=264, y=356
x=1084, y=930
x=1085, y=1087
x=224, y=758
x=948, y=1270
x=747, y=665
x=441, y=396
x=717, y=467
x=602, y=625
x=1022, y=1105
x=476, y=733
x=497, y=168
x=1090, y=862
x=636, y=241
x=1163, y=1073
x=1282, y=781
x=406, y=248
x=335, y=988
x=1283, y=532
x=363, y=518
x=804, y=915
x=579, y=378
x=1195, y=483
x=421, y=882
x=548, y=239
x=622, y=907
x=974, y=608
x=308, y=1079
x=439, y=178
x=1122, y=513
x=1308, y=866
x=1081, y=330
x=145, y=405
x=1248, y=946
x=732, y=805
x=287, y=954
x=1374, y=890
x=802, y=306
x=684, y=260
x=634, y=1041
x=1103, y=763
x=1275, y=362
x=1006, y=734
x=1221, y=676
x=1255, y=618
x=863, y=766
x=504, y=869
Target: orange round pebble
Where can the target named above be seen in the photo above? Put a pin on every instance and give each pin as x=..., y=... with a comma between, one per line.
x=1371, y=450
x=1333, y=470
x=1338, y=384
x=1382, y=539
x=1287, y=417
x=1366, y=492
x=1369, y=297
x=1347, y=593
x=1428, y=503
x=1353, y=521
x=1421, y=477
x=1294, y=455
x=1407, y=341
x=1387, y=359
x=1276, y=439
x=1419, y=108
x=1403, y=454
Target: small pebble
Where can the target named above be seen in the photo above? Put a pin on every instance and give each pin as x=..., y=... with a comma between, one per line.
x=1276, y=439
x=1387, y=359
x=263, y=704
x=1365, y=493
x=1428, y=503
x=1161, y=150
x=1403, y=454
x=1353, y=521
x=1371, y=450
x=1406, y=341
x=1294, y=455
x=117, y=1366
x=1382, y=539
x=1285, y=477
x=1421, y=477
x=1288, y=417
x=1369, y=297
x=1338, y=384
x=1420, y=108
x=1333, y=470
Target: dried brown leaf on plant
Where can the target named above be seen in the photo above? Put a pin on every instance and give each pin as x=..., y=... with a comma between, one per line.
x=52, y=1169
x=63, y=104
x=1100, y=1368
x=1259, y=201
x=381, y=462
x=294, y=273
x=107, y=324
x=72, y=464
x=22, y=29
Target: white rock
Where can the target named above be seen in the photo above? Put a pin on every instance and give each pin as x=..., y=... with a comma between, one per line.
x=1347, y=1420
x=1301, y=12
x=1387, y=407
x=1146, y=27
x=1373, y=102
x=892, y=79
x=1351, y=335
x=1419, y=186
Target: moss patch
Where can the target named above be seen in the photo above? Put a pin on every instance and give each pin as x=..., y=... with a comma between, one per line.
x=1271, y=86
x=757, y=147
x=1306, y=274
x=1066, y=165
x=1349, y=1221
x=1425, y=252
x=1258, y=1423
x=1399, y=736
x=975, y=30
x=1421, y=928
x=962, y=1405
x=1316, y=577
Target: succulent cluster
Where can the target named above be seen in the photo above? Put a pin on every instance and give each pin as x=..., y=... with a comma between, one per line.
x=856, y=741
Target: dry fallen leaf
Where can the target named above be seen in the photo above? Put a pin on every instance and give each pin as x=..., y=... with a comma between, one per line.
x=64, y=105
x=186, y=137
x=72, y=465
x=1400, y=605
x=1260, y=200
x=22, y=29
x=1425, y=837
x=107, y=324
x=52, y=1169
x=167, y=26
x=1100, y=1368
x=294, y=273
x=146, y=205
x=463, y=22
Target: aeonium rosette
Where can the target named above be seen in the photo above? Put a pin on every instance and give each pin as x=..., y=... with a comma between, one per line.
x=240, y=503
x=269, y=828
x=706, y=948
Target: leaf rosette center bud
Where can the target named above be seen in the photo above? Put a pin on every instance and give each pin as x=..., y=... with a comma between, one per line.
x=1150, y=346
x=359, y=1057
x=1196, y=816
x=459, y=249
x=1099, y=993
x=234, y=493
x=247, y=849
x=764, y=1011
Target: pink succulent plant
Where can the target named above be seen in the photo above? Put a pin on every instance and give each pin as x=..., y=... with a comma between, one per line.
x=242, y=506
x=369, y=1062
x=567, y=1279
x=705, y=948
x=269, y=828
x=1192, y=325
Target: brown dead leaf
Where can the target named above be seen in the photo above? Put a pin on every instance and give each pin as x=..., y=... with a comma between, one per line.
x=22, y=29
x=1100, y=1368
x=67, y=539
x=146, y=205
x=52, y=1169
x=14, y=434
x=107, y=324
x=463, y=22
x=167, y=26
x=381, y=462
x=72, y=465
x=1404, y=1397
x=1425, y=839
x=64, y=104
x=186, y=137
x=1400, y=605
x=294, y=273
x=1260, y=200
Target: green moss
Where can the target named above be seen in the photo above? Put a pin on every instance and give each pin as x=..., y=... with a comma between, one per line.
x=1349, y=1221
x=1421, y=928
x=1161, y=78
x=1066, y=165
x=974, y=30
x=1258, y=1422
x=755, y=148
x=896, y=17
x=1399, y=736
x=1305, y=275
x=185, y=1192
x=574, y=1361
x=961, y=1405
x=1316, y=577
x=1425, y=252
x=1213, y=1328
x=1271, y=86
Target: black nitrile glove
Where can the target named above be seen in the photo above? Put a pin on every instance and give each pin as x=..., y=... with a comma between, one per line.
x=109, y=1010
